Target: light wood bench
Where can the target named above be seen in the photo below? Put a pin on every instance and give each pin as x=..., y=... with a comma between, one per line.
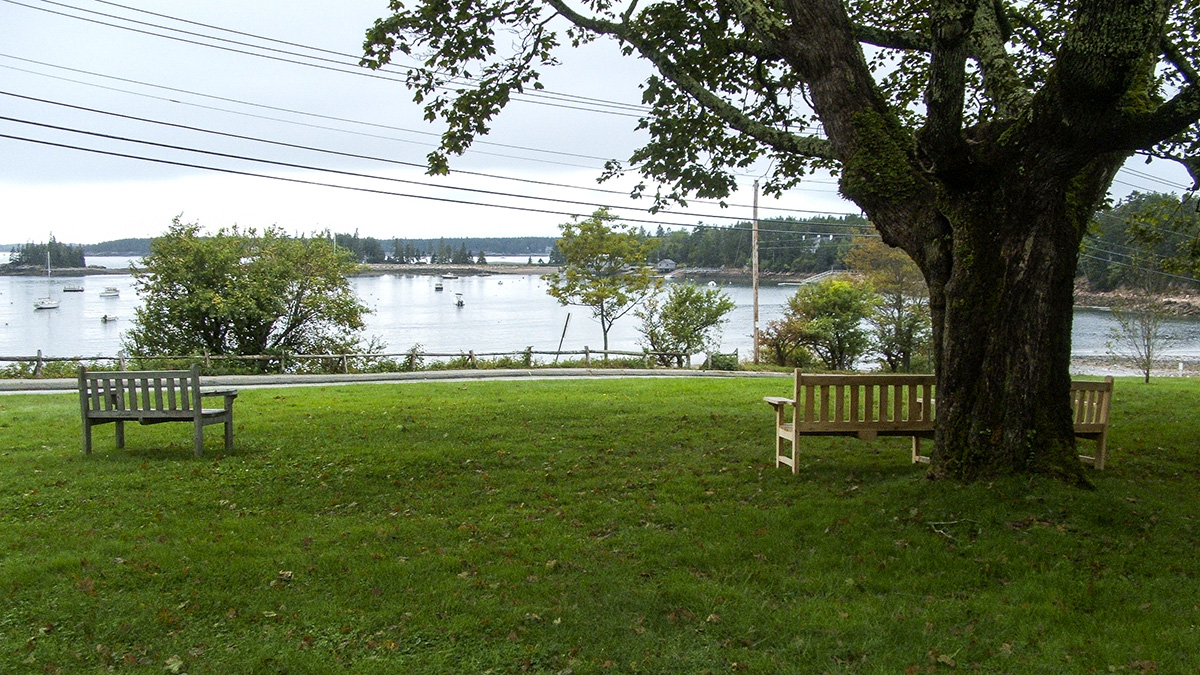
x=151, y=397
x=871, y=405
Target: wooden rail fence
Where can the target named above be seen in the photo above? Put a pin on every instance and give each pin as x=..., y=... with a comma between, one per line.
x=344, y=360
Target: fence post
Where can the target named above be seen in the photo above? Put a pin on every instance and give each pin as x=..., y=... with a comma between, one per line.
x=283, y=362
x=121, y=360
x=345, y=364
x=207, y=360
x=37, y=366
x=529, y=357
x=587, y=357
x=471, y=358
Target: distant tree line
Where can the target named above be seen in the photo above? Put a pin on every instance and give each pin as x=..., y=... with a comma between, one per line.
x=784, y=245
x=450, y=250
x=34, y=255
x=122, y=247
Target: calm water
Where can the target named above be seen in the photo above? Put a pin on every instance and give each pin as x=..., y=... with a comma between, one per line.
x=502, y=313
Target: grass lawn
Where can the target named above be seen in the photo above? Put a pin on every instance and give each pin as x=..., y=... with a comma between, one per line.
x=582, y=526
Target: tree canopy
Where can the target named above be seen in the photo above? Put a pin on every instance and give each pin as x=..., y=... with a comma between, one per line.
x=240, y=292
x=686, y=322
x=603, y=268
x=979, y=136
x=55, y=253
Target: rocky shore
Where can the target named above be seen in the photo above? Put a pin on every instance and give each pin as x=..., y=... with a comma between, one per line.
x=1121, y=366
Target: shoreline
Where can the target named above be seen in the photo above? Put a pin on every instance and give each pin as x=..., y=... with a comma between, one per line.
x=1177, y=304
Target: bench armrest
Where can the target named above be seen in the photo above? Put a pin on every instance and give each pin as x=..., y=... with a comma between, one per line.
x=778, y=401
x=227, y=393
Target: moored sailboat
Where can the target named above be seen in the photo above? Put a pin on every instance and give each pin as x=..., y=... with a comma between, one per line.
x=47, y=302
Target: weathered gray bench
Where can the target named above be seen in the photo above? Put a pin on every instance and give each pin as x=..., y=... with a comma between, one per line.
x=870, y=405
x=151, y=397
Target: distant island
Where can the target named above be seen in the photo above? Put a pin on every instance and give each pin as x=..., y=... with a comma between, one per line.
x=367, y=249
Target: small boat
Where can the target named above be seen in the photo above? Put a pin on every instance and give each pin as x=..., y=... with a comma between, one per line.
x=438, y=286
x=108, y=317
x=449, y=275
x=458, y=300
x=47, y=302
x=110, y=292
x=73, y=288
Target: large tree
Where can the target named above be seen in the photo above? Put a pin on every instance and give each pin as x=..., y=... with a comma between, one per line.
x=977, y=135
x=240, y=292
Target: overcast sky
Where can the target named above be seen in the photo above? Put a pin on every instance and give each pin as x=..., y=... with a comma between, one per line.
x=130, y=60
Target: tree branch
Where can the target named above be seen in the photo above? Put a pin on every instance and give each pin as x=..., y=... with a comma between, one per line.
x=940, y=141
x=1176, y=58
x=1000, y=77
x=779, y=140
x=892, y=39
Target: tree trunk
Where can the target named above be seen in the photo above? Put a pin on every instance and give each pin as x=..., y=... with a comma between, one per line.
x=1002, y=314
x=1003, y=372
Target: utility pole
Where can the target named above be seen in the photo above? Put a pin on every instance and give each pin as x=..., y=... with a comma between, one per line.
x=754, y=267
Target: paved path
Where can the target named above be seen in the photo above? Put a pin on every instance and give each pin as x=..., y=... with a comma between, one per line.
x=59, y=385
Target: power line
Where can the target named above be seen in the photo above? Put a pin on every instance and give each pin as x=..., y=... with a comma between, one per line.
x=520, y=95
x=340, y=153
x=1140, y=268
x=273, y=55
x=540, y=93
x=330, y=185
x=1151, y=177
x=290, y=111
x=307, y=167
x=335, y=119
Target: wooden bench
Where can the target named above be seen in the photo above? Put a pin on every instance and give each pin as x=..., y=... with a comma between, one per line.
x=869, y=405
x=150, y=397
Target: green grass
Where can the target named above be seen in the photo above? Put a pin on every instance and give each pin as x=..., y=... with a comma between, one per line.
x=585, y=526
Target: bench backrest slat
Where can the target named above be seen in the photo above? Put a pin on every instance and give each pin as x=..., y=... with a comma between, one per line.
x=140, y=391
x=1091, y=402
x=884, y=401
x=907, y=401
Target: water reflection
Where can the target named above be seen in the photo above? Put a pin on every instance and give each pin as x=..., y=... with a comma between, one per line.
x=501, y=313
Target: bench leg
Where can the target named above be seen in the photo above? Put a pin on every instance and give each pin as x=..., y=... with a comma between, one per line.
x=1101, y=451
x=198, y=437
x=229, y=432
x=795, y=452
x=778, y=447
x=87, y=437
x=120, y=434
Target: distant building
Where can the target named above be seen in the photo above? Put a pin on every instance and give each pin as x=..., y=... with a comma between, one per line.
x=666, y=266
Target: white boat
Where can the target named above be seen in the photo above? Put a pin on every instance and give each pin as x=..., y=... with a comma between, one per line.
x=458, y=300
x=73, y=288
x=449, y=275
x=110, y=292
x=108, y=317
x=47, y=302
x=438, y=286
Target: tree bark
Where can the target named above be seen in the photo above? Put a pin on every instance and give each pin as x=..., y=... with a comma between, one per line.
x=1004, y=350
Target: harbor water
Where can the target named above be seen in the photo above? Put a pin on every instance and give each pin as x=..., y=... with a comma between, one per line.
x=500, y=313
